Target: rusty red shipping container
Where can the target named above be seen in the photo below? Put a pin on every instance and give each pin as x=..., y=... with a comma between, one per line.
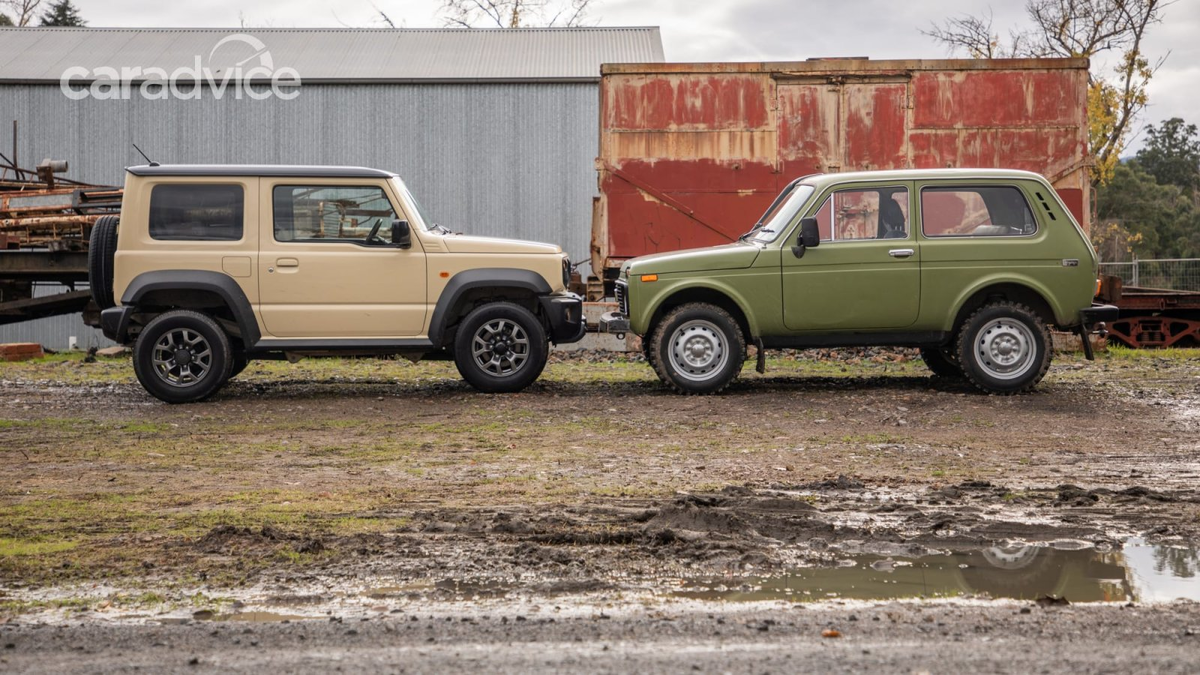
x=692, y=154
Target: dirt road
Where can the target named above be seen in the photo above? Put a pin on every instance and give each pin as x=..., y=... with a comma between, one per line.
x=304, y=488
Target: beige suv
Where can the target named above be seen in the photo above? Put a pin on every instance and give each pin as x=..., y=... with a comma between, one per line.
x=212, y=266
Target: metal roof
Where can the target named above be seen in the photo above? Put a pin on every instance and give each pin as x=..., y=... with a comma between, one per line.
x=258, y=170
x=332, y=54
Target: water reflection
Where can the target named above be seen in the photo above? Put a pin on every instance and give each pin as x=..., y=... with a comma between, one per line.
x=1137, y=572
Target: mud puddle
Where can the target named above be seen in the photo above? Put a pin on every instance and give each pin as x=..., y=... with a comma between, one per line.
x=1068, y=570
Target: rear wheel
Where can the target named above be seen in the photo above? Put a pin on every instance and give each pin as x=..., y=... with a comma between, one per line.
x=697, y=348
x=182, y=356
x=500, y=348
x=102, y=250
x=941, y=362
x=239, y=364
x=1004, y=348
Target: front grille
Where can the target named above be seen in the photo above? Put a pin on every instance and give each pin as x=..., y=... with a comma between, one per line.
x=621, y=291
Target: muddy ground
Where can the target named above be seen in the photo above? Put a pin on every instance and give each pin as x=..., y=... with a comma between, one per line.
x=381, y=489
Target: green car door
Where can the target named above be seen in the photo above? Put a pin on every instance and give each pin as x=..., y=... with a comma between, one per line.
x=866, y=273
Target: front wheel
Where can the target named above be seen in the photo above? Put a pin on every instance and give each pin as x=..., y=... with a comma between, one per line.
x=500, y=348
x=1004, y=348
x=182, y=356
x=698, y=348
x=941, y=362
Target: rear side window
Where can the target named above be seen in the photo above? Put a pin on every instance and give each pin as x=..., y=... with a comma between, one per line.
x=205, y=212
x=993, y=211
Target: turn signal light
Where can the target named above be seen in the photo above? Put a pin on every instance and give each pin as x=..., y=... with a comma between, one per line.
x=1098, y=287
x=649, y=277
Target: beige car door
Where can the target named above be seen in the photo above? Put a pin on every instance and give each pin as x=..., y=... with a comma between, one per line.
x=327, y=266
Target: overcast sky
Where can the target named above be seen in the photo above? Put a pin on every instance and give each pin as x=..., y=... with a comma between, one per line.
x=700, y=30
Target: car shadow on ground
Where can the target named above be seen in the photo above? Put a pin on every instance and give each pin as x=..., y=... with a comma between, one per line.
x=453, y=389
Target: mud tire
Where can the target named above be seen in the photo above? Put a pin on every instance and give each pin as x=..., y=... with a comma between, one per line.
x=977, y=338
x=708, y=323
x=941, y=362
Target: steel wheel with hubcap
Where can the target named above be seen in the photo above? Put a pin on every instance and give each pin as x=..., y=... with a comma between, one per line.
x=500, y=347
x=697, y=348
x=182, y=356
x=1004, y=348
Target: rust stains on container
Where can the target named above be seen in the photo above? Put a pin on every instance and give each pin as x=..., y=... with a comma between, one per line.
x=692, y=154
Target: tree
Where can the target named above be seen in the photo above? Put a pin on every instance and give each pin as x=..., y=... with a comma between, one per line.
x=5, y=21
x=1172, y=155
x=23, y=11
x=515, y=13
x=1078, y=28
x=62, y=13
x=1136, y=215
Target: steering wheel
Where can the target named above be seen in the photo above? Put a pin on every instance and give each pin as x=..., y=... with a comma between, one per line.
x=373, y=236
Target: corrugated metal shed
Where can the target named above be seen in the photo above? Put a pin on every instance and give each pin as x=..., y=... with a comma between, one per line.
x=494, y=130
x=341, y=55
x=55, y=332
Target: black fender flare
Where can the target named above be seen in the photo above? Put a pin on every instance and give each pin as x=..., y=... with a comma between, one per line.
x=219, y=283
x=487, y=277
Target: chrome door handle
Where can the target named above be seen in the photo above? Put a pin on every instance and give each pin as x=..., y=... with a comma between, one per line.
x=901, y=252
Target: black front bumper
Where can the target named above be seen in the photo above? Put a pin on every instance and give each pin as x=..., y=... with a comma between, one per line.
x=565, y=314
x=1099, y=313
x=114, y=323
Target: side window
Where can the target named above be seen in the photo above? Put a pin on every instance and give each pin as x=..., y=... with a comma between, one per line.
x=314, y=213
x=198, y=212
x=976, y=212
x=876, y=213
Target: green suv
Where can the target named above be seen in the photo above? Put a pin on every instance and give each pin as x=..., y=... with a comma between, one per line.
x=969, y=265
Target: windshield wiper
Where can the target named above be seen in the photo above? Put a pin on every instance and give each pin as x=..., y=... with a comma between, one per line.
x=753, y=230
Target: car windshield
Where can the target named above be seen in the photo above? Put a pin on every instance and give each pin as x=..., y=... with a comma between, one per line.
x=777, y=219
x=426, y=221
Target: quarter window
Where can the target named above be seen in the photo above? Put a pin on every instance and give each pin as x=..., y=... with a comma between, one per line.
x=999, y=211
x=875, y=213
x=180, y=212
x=361, y=215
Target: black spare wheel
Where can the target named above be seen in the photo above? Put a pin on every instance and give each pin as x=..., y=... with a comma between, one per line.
x=102, y=251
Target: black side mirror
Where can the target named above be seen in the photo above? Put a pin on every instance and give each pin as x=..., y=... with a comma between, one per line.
x=401, y=234
x=810, y=237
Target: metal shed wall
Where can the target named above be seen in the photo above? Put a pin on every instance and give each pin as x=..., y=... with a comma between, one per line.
x=505, y=159
x=55, y=332
x=511, y=160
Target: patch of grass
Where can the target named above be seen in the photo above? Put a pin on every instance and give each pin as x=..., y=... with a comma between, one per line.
x=19, y=547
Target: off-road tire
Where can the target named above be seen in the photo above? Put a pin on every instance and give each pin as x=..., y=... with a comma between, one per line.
x=709, y=323
x=648, y=351
x=1003, y=321
x=102, y=254
x=216, y=374
x=239, y=363
x=505, y=314
x=940, y=361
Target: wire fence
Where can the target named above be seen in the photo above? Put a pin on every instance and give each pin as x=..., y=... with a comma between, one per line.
x=1178, y=274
